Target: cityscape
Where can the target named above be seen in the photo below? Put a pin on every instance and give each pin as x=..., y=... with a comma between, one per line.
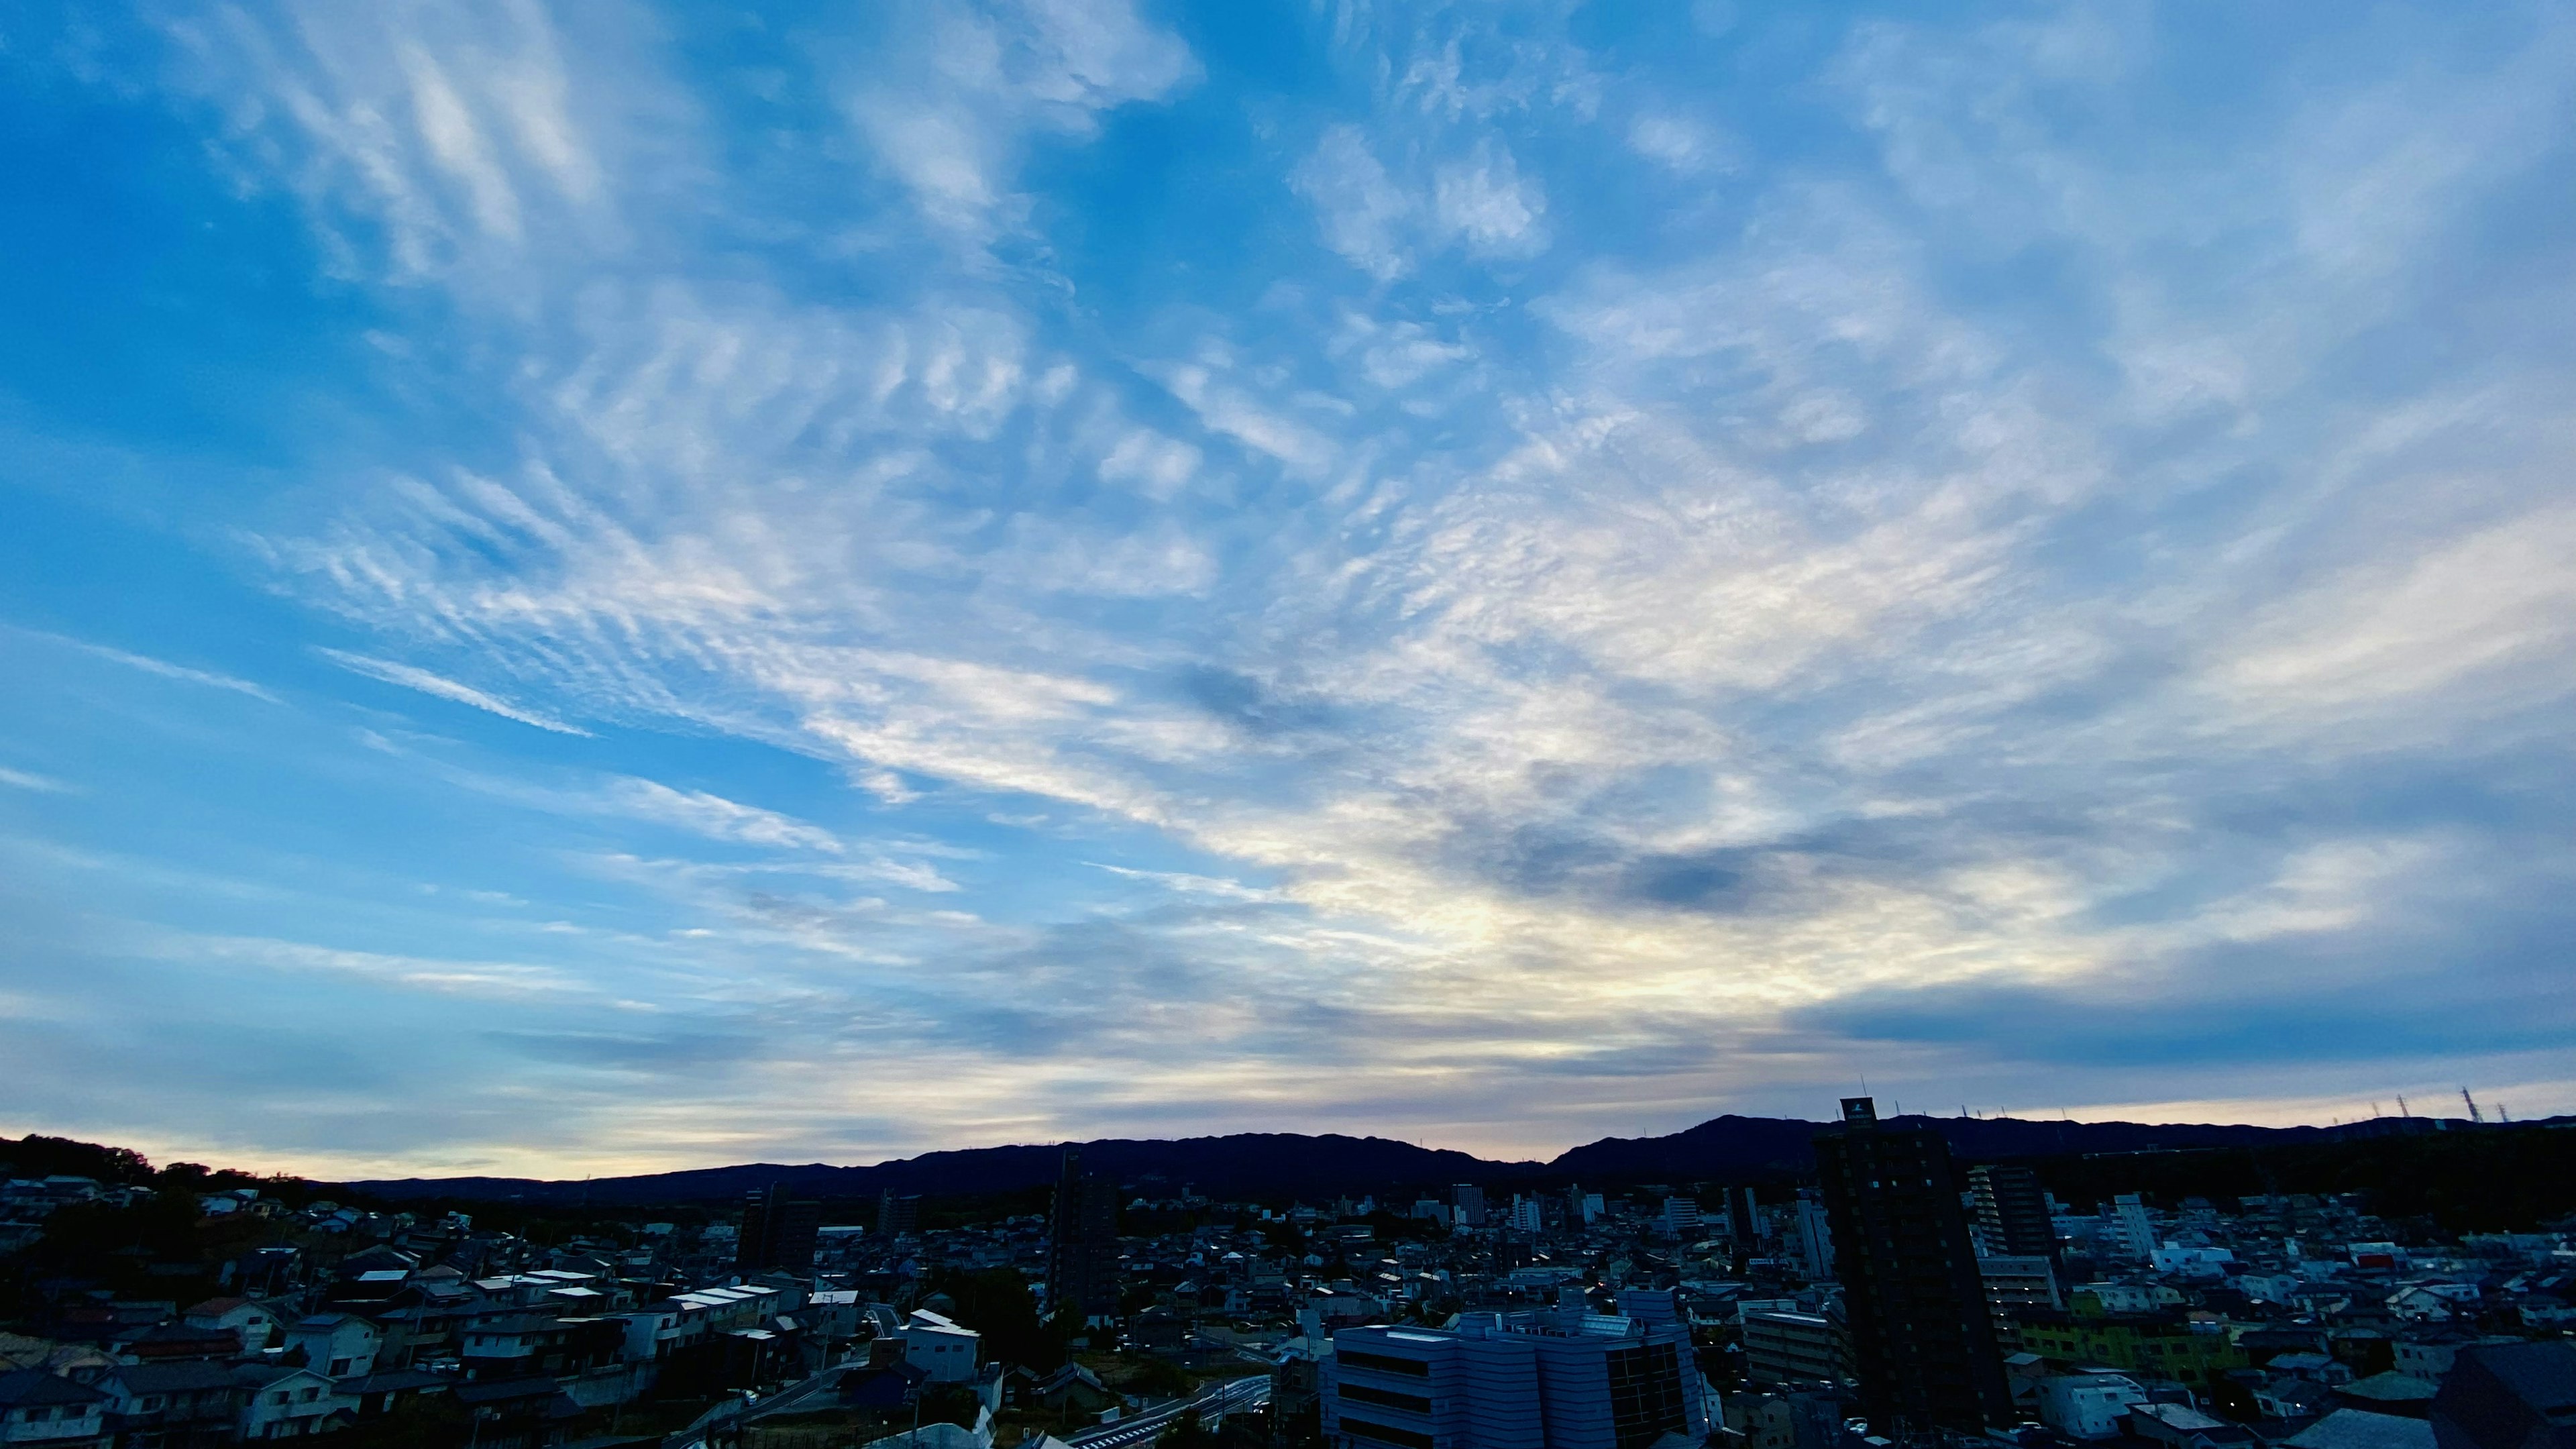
x=1889, y=1295
x=1287, y=724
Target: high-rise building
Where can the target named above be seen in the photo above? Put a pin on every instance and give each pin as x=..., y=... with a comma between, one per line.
x=1082, y=1245
x=2508, y=1396
x=1682, y=1216
x=1527, y=1217
x=1791, y=1348
x=1743, y=1217
x=897, y=1215
x=2012, y=1212
x=777, y=1232
x=2014, y=1283
x=2136, y=1230
x=1546, y=1379
x=1921, y=1337
x=1815, y=1235
x=1470, y=1201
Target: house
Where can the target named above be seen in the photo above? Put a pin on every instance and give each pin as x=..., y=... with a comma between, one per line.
x=337, y=1344
x=2427, y=1352
x=516, y=1413
x=2184, y=1427
x=386, y=1390
x=2357, y=1429
x=1072, y=1387
x=2087, y=1406
x=253, y=1322
x=39, y=1408
x=166, y=1342
x=2389, y=1393
x=2434, y=1301
x=173, y=1403
x=279, y=1402
x=2294, y=1398
x=941, y=1346
x=522, y=1345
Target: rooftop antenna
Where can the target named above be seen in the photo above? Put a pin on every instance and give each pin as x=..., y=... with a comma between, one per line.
x=2473, y=1105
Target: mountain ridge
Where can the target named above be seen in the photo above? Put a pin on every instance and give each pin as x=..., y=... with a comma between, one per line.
x=1263, y=1164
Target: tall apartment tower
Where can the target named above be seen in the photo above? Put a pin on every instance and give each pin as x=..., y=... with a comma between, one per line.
x=898, y=1213
x=1815, y=1234
x=777, y=1232
x=1470, y=1202
x=1921, y=1337
x=1082, y=1245
x=2012, y=1213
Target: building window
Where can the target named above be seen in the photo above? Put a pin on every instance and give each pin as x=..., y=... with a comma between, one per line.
x=1645, y=1394
x=1362, y=1393
x=1385, y=1364
x=1384, y=1434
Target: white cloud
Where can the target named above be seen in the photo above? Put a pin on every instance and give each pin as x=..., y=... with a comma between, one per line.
x=1363, y=212
x=162, y=667
x=949, y=108
x=1485, y=201
x=1159, y=465
x=439, y=687
x=2492, y=611
x=1681, y=144
x=40, y=784
x=716, y=817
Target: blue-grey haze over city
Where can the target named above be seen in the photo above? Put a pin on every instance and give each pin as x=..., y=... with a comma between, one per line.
x=593, y=588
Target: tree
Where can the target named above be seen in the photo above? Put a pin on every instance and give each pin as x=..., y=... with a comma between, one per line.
x=1161, y=1379
x=1186, y=1432
x=997, y=1303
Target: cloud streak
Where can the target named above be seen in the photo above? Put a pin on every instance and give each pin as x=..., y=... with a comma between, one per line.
x=439, y=687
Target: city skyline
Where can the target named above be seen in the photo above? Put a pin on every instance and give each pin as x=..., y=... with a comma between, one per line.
x=599, y=589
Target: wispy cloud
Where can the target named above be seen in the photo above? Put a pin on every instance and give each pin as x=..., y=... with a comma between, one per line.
x=440, y=687
x=160, y=667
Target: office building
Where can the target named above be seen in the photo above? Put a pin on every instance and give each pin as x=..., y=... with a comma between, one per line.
x=1922, y=1338
x=1470, y=1202
x=1548, y=1379
x=1082, y=1245
x=778, y=1232
x=2012, y=1212
x=1682, y=1216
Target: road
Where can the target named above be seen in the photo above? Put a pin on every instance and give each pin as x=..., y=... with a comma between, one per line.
x=1213, y=1402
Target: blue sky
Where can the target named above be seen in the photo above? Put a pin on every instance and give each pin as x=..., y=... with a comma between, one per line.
x=601, y=587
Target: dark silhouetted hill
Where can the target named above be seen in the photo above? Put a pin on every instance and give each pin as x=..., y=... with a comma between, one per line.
x=1272, y=1165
